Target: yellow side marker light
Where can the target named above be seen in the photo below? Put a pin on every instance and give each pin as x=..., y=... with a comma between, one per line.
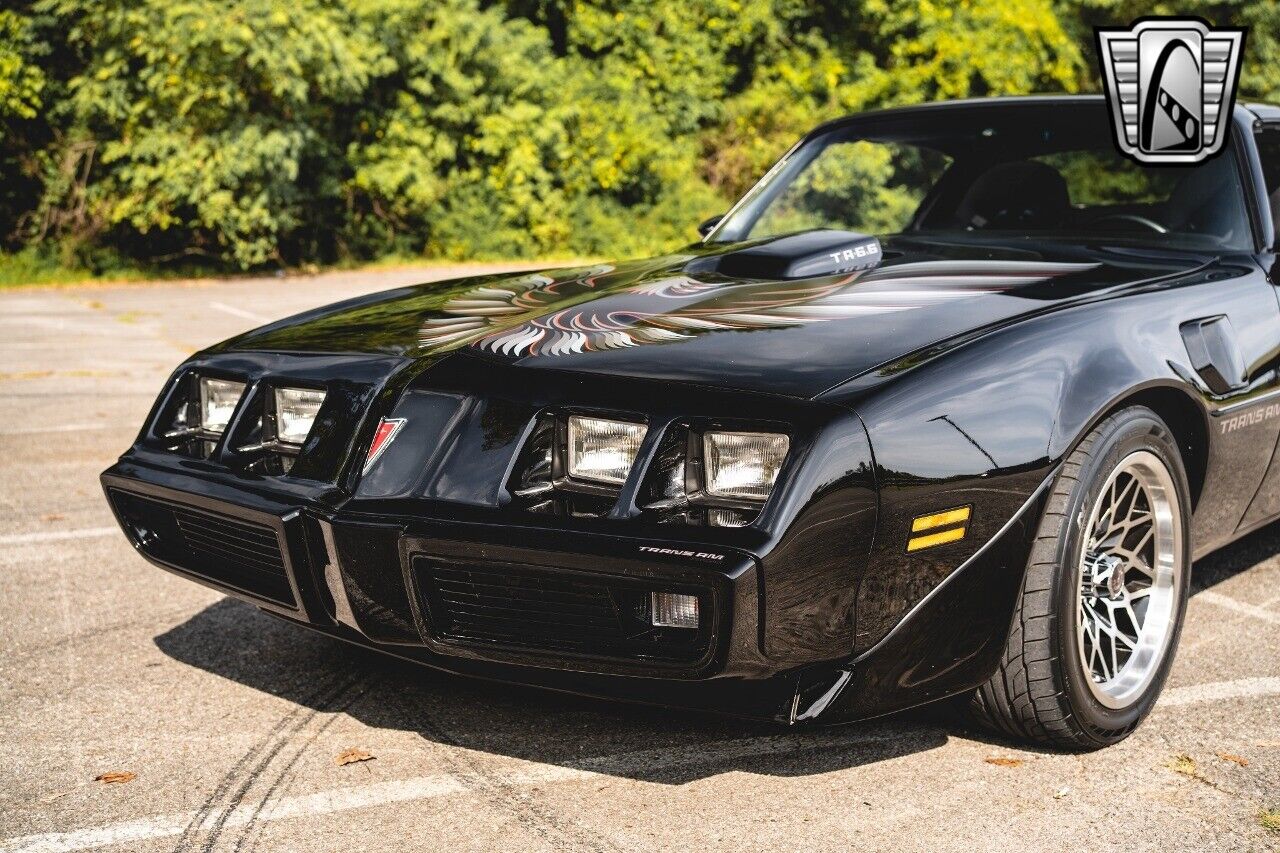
x=917, y=543
x=940, y=519
x=948, y=517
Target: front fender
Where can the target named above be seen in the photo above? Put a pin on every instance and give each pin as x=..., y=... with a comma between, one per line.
x=984, y=425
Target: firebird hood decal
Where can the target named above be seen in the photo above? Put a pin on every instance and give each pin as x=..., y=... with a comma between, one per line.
x=678, y=307
x=681, y=318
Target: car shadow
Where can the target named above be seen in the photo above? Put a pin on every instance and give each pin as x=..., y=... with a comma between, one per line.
x=1240, y=555
x=238, y=642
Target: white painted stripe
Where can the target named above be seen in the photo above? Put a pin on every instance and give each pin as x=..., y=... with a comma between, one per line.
x=1230, y=603
x=527, y=774
x=40, y=430
x=170, y=825
x=57, y=535
x=238, y=312
x=1216, y=691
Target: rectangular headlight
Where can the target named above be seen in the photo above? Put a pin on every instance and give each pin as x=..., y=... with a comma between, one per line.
x=296, y=410
x=218, y=400
x=602, y=450
x=743, y=464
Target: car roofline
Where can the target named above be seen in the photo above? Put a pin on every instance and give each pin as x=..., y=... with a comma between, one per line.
x=1260, y=111
x=1263, y=112
x=1002, y=101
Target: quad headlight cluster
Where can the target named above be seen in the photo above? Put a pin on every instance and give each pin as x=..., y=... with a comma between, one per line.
x=285, y=417
x=577, y=464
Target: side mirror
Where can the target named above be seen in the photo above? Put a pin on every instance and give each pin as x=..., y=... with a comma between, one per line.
x=709, y=224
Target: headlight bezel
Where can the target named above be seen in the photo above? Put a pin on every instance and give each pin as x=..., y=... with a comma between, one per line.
x=668, y=470
x=183, y=424
x=675, y=485
x=540, y=479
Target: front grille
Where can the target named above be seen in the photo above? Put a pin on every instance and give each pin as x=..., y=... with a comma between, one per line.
x=553, y=611
x=230, y=551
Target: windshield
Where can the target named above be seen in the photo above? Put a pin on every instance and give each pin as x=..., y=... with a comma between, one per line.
x=993, y=170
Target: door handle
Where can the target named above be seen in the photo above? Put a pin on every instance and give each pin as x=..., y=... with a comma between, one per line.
x=1211, y=343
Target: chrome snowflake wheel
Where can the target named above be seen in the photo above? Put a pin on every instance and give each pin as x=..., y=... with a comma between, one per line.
x=1131, y=577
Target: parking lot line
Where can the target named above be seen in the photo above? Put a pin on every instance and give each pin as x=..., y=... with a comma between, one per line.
x=57, y=535
x=528, y=774
x=238, y=312
x=1217, y=598
x=1216, y=691
x=41, y=430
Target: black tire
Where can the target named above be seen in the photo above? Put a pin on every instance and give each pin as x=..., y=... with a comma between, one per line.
x=1038, y=693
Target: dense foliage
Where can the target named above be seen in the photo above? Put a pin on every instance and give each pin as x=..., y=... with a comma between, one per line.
x=244, y=133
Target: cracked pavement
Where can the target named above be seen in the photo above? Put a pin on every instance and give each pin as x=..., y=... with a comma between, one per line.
x=231, y=720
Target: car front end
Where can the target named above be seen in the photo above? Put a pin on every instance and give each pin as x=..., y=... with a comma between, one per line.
x=634, y=539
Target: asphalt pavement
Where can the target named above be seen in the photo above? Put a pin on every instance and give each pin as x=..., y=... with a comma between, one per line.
x=224, y=727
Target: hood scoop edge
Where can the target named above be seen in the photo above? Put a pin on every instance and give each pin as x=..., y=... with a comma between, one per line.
x=808, y=254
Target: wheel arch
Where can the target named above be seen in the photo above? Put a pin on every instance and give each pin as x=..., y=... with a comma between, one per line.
x=1184, y=416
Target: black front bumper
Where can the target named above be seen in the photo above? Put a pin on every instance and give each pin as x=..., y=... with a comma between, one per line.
x=377, y=580
x=364, y=572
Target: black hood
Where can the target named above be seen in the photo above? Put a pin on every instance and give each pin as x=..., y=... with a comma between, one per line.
x=711, y=316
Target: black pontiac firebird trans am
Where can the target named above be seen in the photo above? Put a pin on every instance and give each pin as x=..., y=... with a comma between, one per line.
x=793, y=471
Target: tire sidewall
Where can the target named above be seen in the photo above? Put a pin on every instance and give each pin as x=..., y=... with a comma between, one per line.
x=1124, y=433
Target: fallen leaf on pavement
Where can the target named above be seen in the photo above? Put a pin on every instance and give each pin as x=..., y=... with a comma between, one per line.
x=1062, y=792
x=1005, y=762
x=1235, y=759
x=351, y=756
x=115, y=777
x=1184, y=764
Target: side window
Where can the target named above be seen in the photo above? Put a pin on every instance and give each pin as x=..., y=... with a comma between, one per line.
x=1269, y=153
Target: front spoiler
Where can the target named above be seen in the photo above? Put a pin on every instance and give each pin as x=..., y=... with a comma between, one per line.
x=772, y=699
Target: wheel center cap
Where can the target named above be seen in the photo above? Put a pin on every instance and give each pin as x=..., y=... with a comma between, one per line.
x=1115, y=580
x=1107, y=572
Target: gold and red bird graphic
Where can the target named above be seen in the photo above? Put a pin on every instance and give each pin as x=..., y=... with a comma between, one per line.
x=580, y=311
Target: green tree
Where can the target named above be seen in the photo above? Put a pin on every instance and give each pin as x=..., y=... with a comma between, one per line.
x=202, y=127
x=881, y=54
x=22, y=94
x=1260, y=65
x=245, y=133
